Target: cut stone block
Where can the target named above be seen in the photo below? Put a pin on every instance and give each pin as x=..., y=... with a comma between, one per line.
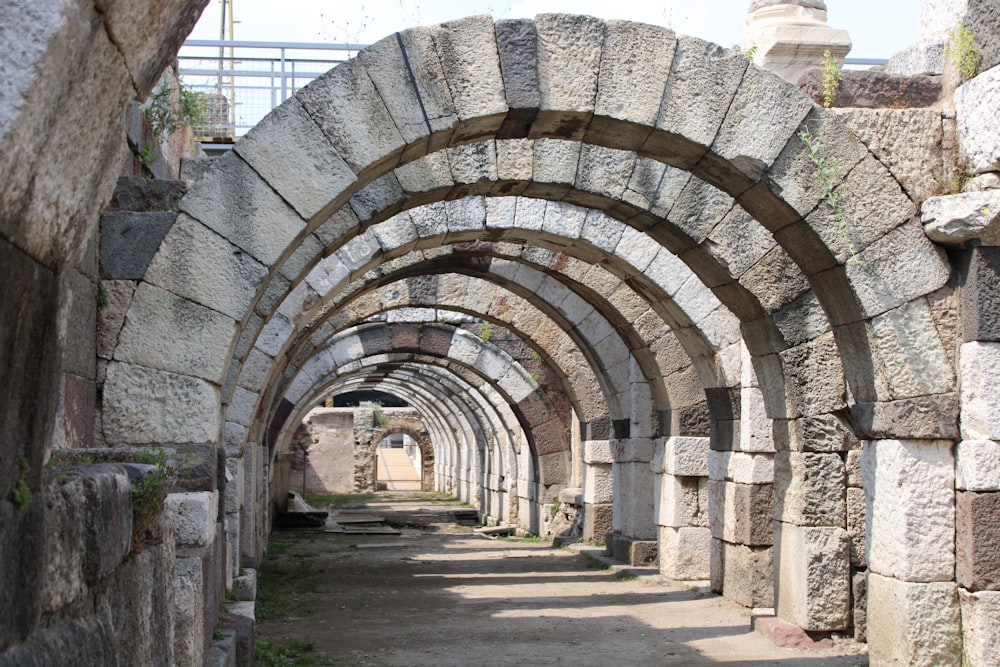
x=598, y=483
x=677, y=501
x=809, y=488
x=975, y=111
x=813, y=573
x=977, y=465
x=685, y=553
x=913, y=623
x=741, y=467
x=980, y=382
x=909, y=488
x=194, y=516
x=856, y=525
x=980, y=627
x=687, y=456
x=748, y=577
x=741, y=513
x=977, y=528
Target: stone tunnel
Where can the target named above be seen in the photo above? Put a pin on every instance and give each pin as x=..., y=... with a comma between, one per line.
x=599, y=259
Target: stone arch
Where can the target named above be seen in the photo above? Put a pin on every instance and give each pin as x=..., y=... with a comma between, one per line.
x=413, y=428
x=603, y=102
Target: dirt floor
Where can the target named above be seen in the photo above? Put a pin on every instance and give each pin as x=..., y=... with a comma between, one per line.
x=438, y=595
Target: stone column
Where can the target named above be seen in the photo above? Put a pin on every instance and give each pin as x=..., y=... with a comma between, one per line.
x=598, y=489
x=791, y=36
x=681, y=498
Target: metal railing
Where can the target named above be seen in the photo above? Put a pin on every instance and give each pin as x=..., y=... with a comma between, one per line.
x=244, y=81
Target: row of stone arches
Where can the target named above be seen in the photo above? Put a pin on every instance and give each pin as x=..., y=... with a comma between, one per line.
x=637, y=209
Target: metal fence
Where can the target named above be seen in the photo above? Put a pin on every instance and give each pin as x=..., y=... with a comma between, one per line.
x=244, y=81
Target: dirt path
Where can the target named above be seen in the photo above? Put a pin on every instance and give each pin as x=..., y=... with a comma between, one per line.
x=439, y=596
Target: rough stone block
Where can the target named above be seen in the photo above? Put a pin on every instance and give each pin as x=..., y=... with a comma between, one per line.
x=913, y=623
x=980, y=382
x=194, y=516
x=854, y=469
x=859, y=596
x=740, y=513
x=597, y=520
x=963, y=218
x=975, y=111
x=143, y=405
x=815, y=377
x=809, y=489
x=813, y=576
x=748, y=577
x=977, y=528
x=684, y=553
x=568, y=69
x=977, y=465
x=129, y=240
x=677, y=501
x=856, y=525
x=189, y=611
x=909, y=488
x=597, y=451
x=756, y=433
x=199, y=337
x=876, y=89
x=741, y=467
x=980, y=627
x=598, y=483
x=925, y=417
x=687, y=456
x=980, y=297
x=633, y=498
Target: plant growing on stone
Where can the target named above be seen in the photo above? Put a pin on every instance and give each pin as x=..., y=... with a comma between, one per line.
x=963, y=52
x=377, y=417
x=21, y=495
x=103, y=296
x=748, y=52
x=831, y=78
x=148, y=495
x=485, y=332
x=167, y=114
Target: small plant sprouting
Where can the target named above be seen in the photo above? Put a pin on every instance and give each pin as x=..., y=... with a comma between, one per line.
x=167, y=114
x=21, y=495
x=826, y=172
x=963, y=51
x=103, y=296
x=536, y=356
x=146, y=156
x=831, y=78
x=951, y=182
x=377, y=417
x=748, y=52
x=485, y=332
x=148, y=495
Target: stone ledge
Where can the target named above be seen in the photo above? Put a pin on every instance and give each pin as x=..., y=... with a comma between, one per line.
x=875, y=89
x=786, y=635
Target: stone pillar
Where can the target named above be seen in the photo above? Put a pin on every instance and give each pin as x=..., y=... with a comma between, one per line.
x=790, y=36
x=598, y=489
x=913, y=602
x=681, y=498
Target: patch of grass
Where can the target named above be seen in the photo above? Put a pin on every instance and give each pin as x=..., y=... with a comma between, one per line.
x=594, y=563
x=831, y=78
x=625, y=575
x=963, y=51
x=294, y=654
x=335, y=500
x=527, y=539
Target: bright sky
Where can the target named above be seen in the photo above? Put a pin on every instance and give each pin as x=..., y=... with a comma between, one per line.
x=877, y=29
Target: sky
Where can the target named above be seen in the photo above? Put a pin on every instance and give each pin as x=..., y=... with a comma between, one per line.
x=877, y=29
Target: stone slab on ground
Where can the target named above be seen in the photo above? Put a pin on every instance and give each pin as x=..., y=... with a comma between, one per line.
x=785, y=634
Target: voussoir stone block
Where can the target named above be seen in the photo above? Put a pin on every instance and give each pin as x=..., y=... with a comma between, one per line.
x=910, y=492
x=144, y=406
x=980, y=627
x=128, y=241
x=306, y=172
x=569, y=63
x=814, y=576
x=913, y=623
x=168, y=332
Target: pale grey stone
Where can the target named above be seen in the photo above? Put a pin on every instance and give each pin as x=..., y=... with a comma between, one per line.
x=147, y=406
x=906, y=343
x=603, y=172
x=963, y=218
x=980, y=383
x=569, y=59
x=809, y=489
x=231, y=199
x=473, y=163
x=913, y=623
x=515, y=158
x=980, y=631
x=170, y=333
x=975, y=111
x=291, y=153
x=597, y=451
x=910, y=493
x=677, y=500
x=747, y=576
x=813, y=569
x=189, y=611
x=856, y=525
x=351, y=113
x=907, y=141
x=196, y=263
x=684, y=553
x=194, y=516
x=976, y=465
